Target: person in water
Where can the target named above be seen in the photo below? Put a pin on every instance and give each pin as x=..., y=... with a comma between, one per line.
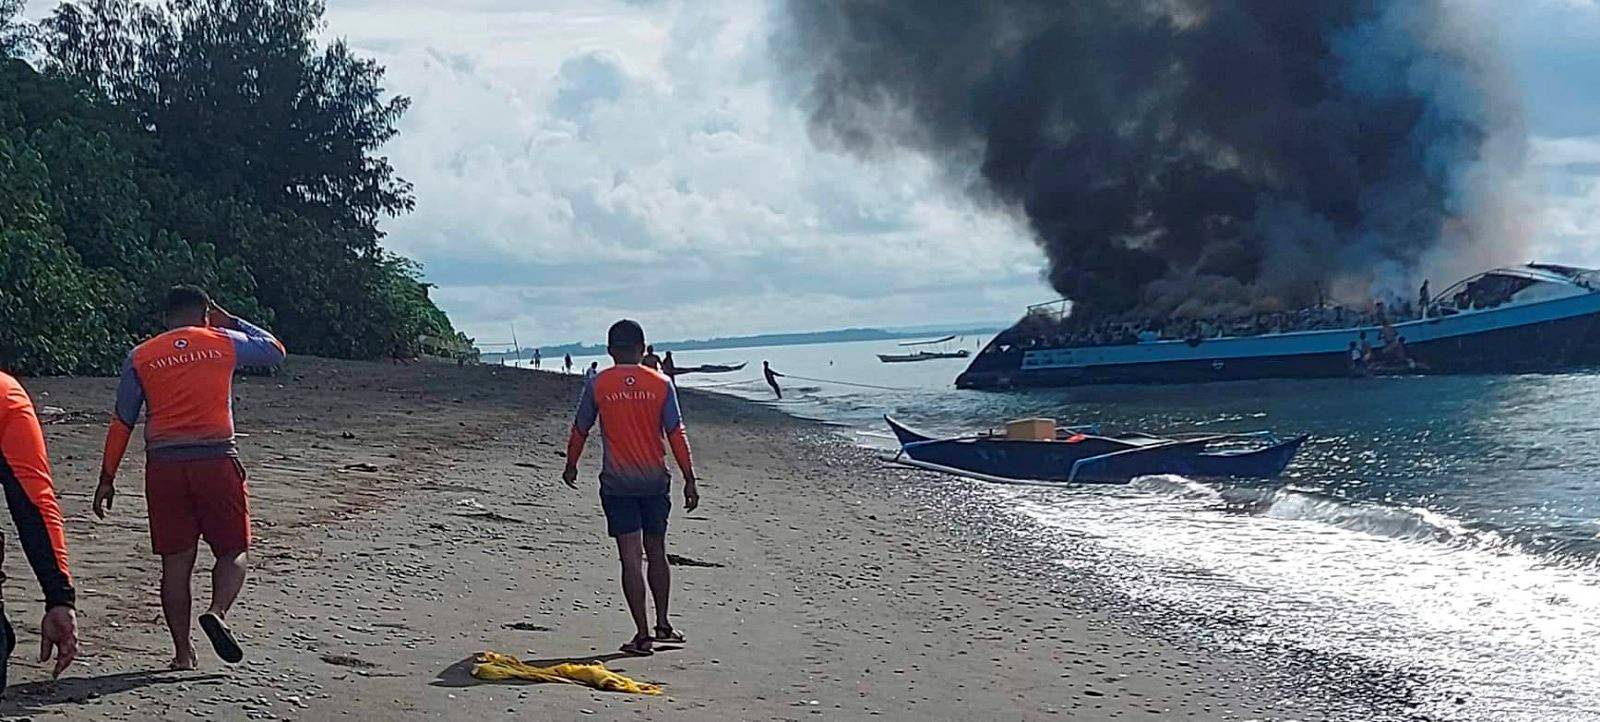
x=668, y=366
x=31, y=498
x=1357, y=360
x=637, y=407
x=651, y=360
x=1400, y=356
x=194, y=484
x=772, y=378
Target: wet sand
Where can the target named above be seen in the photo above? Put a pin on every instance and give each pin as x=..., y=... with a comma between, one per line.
x=409, y=516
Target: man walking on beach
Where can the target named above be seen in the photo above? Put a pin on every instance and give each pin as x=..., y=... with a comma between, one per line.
x=568, y=365
x=536, y=358
x=772, y=378
x=31, y=498
x=194, y=484
x=636, y=407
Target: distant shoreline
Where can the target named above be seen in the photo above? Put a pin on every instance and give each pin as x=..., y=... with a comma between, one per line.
x=808, y=338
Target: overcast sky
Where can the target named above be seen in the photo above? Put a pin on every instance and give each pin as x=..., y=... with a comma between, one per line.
x=580, y=160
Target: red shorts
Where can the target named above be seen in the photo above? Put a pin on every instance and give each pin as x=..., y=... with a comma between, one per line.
x=197, y=498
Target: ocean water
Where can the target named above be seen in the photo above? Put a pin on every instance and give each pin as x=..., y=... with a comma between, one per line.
x=1448, y=526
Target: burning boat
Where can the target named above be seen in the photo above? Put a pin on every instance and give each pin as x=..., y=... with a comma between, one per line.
x=1538, y=317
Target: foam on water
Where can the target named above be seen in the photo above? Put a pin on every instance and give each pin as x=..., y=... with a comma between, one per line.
x=1509, y=633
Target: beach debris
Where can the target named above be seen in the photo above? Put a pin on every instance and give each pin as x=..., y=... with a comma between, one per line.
x=679, y=560
x=360, y=466
x=492, y=666
x=57, y=415
x=473, y=509
x=527, y=627
x=345, y=660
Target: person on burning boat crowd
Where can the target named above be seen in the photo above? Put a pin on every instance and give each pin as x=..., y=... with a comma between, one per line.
x=1127, y=329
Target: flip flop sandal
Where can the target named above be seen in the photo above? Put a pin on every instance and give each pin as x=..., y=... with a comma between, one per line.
x=221, y=638
x=668, y=635
x=639, y=647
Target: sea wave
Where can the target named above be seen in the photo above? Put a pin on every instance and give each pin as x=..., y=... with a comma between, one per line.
x=1407, y=523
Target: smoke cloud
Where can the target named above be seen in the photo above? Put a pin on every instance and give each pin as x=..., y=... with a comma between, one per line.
x=1189, y=156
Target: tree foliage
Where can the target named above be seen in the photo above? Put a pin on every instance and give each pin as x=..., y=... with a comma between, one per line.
x=204, y=141
x=16, y=36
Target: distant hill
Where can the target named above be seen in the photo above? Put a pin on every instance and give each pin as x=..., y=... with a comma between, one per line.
x=770, y=339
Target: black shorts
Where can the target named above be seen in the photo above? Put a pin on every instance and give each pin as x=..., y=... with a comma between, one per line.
x=628, y=514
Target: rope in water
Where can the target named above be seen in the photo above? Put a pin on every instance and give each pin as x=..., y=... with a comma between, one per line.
x=724, y=384
x=847, y=383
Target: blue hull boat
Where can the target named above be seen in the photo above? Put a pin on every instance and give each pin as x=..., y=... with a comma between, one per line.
x=1089, y=458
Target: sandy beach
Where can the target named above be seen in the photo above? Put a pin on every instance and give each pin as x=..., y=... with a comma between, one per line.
x=408, y=517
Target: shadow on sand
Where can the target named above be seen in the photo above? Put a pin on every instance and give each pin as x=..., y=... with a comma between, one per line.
x=37, y=698
x=460, y=673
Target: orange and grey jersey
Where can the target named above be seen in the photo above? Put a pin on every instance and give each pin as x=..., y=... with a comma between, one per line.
x=30, y=494
x=637, y=408
x=184, y=377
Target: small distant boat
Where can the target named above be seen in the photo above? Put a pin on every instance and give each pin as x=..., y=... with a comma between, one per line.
x=900, y=358
x=1082, y=455
x=707, y=369
x=924, y=355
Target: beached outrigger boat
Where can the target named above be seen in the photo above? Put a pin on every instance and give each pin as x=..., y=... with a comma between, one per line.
x=1082, y=455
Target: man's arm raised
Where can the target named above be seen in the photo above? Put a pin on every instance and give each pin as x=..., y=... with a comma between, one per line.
x=252, y=345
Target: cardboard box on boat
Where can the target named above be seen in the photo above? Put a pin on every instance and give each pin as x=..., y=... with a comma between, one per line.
x=1031, y=430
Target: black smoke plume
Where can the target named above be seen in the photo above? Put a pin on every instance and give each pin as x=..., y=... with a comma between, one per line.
x=1185, y=156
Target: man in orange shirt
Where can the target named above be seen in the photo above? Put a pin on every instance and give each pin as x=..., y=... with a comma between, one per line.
x=194, y=484
x=637, y=407
x=31, y=497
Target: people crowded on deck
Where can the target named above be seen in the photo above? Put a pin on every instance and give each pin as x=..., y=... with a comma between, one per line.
x=1042, y=330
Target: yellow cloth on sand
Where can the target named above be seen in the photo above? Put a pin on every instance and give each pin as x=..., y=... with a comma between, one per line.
x=495, y=666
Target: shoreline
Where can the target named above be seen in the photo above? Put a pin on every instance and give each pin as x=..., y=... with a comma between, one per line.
x=411, y=516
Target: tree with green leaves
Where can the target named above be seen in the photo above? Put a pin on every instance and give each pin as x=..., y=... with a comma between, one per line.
x=205, y=141
x=243, y=96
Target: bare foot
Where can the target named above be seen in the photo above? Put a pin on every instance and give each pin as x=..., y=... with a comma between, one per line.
x=183, y=662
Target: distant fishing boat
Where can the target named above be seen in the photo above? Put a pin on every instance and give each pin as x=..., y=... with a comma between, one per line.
x=707, y=369
x=900, y=358
x=1042, y=452
x=894, y=358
